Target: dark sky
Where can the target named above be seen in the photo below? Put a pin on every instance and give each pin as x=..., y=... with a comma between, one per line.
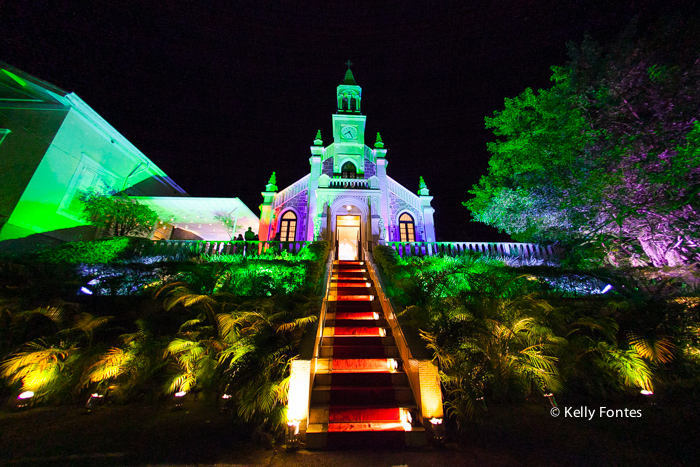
x=220, y=96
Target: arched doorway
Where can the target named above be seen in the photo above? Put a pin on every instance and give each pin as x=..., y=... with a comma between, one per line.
x=348, y=232
x=348, y=239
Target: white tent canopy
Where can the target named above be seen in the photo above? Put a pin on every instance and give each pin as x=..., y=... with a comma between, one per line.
x=197, y=215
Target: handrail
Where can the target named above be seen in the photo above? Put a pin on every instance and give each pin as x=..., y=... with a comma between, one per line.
x=387, y=308
x=422, y=373
x=321, y=323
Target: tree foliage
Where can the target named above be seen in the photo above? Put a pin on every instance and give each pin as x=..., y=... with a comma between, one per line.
x=118, y=215
x=609, y=156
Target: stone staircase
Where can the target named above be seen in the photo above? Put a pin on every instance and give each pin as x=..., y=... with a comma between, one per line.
x=360, y=394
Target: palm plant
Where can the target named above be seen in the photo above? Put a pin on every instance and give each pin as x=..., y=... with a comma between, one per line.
x=195, y=351
x=50, y=363
x=129, y=368
x=263, y=336
x=594, y=362
x=489, y=338
x=47, y=369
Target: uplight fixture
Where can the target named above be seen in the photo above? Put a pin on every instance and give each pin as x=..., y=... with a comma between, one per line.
x=179, y=399
x=438, y=430
x=293, y=434
x=24, y=398
x=551, y=399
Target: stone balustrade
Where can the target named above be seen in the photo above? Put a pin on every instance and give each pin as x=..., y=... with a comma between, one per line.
x=522, y=250
x=348, y=183
x=222, y=247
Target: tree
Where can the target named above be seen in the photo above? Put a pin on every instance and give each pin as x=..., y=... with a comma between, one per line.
x=118, y=215
x=609, y=156
x=229, y=222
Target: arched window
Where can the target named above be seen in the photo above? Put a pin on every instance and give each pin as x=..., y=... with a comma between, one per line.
x=407, y=228
x=288, y=227
x=349, y=170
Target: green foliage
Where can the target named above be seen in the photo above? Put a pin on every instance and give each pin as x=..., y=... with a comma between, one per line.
x=505, y=334
x=607, y=158
x=386, y=258
x=95, y=252
x=118, y=215
x=212, y=326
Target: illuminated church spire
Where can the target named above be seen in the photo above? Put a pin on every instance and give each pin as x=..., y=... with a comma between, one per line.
x=349, y=93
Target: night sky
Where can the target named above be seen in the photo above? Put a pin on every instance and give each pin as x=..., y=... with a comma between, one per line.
x=220, y=96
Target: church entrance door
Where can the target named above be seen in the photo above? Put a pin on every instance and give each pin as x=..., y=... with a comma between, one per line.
x=348, y=237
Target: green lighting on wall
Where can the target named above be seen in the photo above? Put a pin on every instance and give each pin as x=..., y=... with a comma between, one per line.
x=16, y=78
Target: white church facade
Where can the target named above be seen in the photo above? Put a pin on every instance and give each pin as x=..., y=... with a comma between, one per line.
x=347, y=198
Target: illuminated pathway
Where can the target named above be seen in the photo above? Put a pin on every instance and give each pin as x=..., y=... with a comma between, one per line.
x=361, y=397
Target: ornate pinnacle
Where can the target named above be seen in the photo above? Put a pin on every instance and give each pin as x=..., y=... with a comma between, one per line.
x=318, y=141
x=422, y=188
x=379, y=144
x=272, y=183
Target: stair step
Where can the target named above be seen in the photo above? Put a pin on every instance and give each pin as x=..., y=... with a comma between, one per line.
x=348, y=276
x=361, y=379
x=321, y=413
x=387, y=341
x=338, y=436
x=357, y=351
x=356, y=315
x=351, y=285
x=352, y=323
x=361, y=397
x=356, y=365
x=352, y=298
x=354, y=307
x=359, y=331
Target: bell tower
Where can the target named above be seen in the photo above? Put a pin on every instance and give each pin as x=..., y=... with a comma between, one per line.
x=349, y=125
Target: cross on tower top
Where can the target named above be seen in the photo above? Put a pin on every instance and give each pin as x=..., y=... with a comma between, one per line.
x=349, y=64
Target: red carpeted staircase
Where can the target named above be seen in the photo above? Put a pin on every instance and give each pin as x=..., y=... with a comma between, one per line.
x=360, y=395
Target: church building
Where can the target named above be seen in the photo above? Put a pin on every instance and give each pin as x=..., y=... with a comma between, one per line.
x=347, y=198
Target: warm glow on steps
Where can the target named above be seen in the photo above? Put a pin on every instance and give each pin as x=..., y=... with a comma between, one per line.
x=363, y=395
x=363, y=364
x=360, y=331
x=363, y=315
x=367, y=426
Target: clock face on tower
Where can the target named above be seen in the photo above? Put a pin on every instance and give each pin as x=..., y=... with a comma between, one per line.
x=348, y=132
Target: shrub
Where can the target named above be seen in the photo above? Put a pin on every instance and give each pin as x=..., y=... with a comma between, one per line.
x=94, y=252
x=386, y=258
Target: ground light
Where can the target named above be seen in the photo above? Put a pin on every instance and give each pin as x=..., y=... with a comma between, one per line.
x=24, y=399
x=93, y=400
x=551, y=399
x=224, y=403
x=438, y=430
x=179, y=399
x=293, y=434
